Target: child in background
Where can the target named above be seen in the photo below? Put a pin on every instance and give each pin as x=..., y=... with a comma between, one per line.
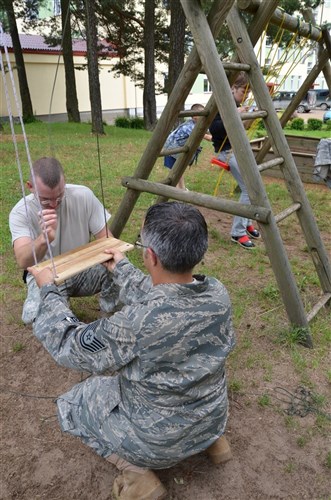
x=178, y=137
x=242, y=228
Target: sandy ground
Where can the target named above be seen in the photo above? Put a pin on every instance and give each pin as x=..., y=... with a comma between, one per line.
x=269, y=460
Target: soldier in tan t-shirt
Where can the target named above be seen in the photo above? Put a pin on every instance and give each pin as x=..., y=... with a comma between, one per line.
x=71, y=215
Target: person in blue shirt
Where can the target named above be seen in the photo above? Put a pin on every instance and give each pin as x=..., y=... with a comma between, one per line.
x=178, y=137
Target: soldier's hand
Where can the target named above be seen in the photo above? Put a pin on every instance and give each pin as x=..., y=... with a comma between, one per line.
x=43, y=276
x=115, y=256
x=48, y=223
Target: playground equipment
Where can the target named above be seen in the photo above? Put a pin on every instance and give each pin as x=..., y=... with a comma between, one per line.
x=221, y=75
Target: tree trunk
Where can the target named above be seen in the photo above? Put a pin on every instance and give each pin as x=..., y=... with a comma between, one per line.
x=93, y=69
x=71, y=92
x=177, y=41
x=27, y=109
x=149, y=101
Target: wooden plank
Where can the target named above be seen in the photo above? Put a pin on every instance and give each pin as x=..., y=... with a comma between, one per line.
x=303, y=151
x=75, y=261
x=321, y=303
x=254, y=212
x=288, y=211
x=302, y=144
x=297, y=144
x=286, y=21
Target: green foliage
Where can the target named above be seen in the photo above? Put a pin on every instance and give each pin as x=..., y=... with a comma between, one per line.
x=18, y=346
x=260, y=133
x=290, y=467
x=301, y=441
x=235, y=386
x=123, y=122
x=260, y=125
x=328, y=125
x=293, y=337
x=297, y=124
x=30, y=119
x=271, y=292
x=318, y=134
x=314, y=124
x=137, y=123
x=264, y=400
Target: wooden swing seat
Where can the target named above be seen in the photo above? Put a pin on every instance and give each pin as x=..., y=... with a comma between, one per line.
x=75, y=261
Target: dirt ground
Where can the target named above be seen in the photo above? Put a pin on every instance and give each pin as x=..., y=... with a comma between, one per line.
x=39, y=462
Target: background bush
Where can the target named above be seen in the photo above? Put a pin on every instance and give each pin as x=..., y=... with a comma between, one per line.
x=137, y=123
x=125, y=122
x=122, y=122
x=298, y=124
x=314, y=124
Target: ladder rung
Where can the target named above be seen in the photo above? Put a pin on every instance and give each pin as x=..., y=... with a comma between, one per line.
x=236, y=66
x=252, y=115
x=323, y=300
x=288, y=211
x=191, y=112
x=261, y=214
x=271, y=163
x=232, y=66
x=304, y=155
x=170, y=152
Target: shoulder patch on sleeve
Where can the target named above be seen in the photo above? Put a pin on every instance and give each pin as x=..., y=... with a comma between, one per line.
x=88, y=340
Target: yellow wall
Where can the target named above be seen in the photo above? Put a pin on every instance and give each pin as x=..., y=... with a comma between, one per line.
x=116, y=93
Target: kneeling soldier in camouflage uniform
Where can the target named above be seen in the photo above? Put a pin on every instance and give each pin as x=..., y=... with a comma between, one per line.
x=168, y=345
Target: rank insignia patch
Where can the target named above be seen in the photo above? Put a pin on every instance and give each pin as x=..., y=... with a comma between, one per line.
x=88, y=340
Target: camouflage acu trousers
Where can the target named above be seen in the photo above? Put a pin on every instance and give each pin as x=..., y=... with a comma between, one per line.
x=89, y=282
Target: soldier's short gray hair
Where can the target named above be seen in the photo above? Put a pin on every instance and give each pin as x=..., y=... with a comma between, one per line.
x=177, y=233
x=49, y=170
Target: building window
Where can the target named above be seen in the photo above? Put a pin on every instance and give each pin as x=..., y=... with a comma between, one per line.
x=309, y=67
x=292, y=82
x=206, y=85
x=57, y=7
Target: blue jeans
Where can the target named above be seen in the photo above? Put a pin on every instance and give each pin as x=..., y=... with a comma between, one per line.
x=239, y=224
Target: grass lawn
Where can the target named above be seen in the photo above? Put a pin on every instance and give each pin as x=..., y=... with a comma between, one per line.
x=316, y=134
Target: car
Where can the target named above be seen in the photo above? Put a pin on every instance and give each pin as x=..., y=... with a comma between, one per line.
x=327, y=116
x=322, y=99
x=282, y=99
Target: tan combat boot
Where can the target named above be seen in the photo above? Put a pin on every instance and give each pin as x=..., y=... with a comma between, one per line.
x=219, y=452
x=134, y=486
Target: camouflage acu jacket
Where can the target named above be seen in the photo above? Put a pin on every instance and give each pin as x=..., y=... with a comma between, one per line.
x=168, y=347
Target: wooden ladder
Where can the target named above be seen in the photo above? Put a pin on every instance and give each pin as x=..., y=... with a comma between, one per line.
x=220, y=76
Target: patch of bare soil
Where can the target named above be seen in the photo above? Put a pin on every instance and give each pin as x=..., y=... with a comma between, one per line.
x=40, y=462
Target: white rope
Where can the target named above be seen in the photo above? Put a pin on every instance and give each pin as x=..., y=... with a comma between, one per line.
x=26, y=147
x=16, y=152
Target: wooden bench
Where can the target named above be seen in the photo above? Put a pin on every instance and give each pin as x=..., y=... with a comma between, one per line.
x=303, y=151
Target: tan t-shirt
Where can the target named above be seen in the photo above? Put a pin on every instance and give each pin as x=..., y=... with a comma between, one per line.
x=80, y=215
